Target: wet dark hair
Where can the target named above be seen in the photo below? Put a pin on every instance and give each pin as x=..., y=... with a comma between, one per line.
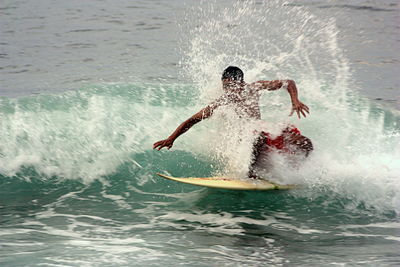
x=233, y=72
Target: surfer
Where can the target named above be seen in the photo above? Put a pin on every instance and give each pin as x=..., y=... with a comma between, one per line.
x=244, y=97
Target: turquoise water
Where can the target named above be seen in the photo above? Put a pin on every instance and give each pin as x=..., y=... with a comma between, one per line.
x=78, y=188
x=77, y=169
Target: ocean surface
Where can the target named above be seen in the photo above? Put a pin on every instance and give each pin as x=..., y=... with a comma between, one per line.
x=86, y=88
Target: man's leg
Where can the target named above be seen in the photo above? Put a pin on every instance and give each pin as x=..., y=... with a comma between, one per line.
x=260, y=145
x=299, y=144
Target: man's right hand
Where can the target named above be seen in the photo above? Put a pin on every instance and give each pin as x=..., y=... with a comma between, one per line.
x=163, y=143
x=186, y=125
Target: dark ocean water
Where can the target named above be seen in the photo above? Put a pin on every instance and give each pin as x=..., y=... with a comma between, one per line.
x=87, y=88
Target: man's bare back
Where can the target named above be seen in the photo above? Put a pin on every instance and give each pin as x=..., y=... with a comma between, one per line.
x=244, y=98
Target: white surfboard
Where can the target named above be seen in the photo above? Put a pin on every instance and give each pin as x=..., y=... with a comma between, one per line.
x=228, y=183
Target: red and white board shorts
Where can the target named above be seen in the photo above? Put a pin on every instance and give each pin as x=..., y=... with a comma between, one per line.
x=279, y=141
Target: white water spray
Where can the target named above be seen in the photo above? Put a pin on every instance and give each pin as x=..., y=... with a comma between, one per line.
x=357, y=144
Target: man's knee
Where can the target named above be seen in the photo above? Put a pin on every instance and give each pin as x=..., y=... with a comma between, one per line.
x=306, y=144
x=302, y=143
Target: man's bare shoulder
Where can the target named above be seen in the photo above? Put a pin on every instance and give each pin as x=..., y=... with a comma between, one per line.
x=266, y=85
x=220, y=101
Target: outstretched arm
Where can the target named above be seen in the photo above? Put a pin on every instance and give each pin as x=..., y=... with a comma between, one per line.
x=290, y=85
x=186, y=125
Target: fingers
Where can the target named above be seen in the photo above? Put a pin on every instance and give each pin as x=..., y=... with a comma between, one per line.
x=305, y=109
x=297, y=112
x=295, y=108
x=163, y=144
x=160, y=144
x=156, y=144
x=308, y=109
x=302, y=110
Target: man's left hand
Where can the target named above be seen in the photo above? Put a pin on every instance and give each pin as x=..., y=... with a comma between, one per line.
x=299, y=108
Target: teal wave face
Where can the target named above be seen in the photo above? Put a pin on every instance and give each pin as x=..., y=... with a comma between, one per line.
x=87, y=133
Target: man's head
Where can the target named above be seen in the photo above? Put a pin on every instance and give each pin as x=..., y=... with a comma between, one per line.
x=233, y=74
